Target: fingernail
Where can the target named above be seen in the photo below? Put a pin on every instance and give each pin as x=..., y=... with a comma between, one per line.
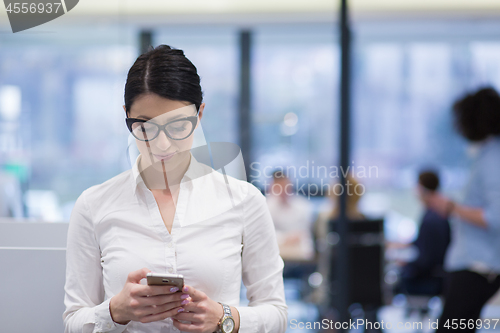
x=184, y=302
x=180, y=310
x=184, y=296
x=185, y=289
x=174, y=289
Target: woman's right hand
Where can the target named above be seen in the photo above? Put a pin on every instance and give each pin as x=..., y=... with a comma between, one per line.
x=145, y=303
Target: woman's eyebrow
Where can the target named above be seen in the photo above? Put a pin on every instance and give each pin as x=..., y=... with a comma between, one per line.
x=178, y=117
x=169, y=119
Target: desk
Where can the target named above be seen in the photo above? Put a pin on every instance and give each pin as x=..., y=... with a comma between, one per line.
x=33, y=261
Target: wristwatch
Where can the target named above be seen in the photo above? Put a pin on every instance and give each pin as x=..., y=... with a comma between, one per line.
x=226, y=323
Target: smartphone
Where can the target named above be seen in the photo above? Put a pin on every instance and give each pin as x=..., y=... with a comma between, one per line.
x=158, y=279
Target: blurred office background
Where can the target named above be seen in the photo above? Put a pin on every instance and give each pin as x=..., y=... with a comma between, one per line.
x=61, y=92
x=61, y=89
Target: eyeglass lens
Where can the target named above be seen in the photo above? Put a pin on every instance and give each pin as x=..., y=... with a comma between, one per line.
x=178, y=130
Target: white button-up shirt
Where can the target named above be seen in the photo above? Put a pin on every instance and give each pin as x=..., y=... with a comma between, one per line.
x=222, y=233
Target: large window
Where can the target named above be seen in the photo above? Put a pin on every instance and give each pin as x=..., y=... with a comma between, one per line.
x=62, y=122
x=406, y=77
x=64, y=130
x=295, y=101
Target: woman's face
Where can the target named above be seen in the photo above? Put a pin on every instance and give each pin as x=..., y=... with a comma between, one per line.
x=162, y=152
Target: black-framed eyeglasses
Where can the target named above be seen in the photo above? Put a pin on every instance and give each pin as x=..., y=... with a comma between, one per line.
x=146, y=130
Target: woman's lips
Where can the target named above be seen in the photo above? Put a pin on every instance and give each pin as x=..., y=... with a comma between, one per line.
x=164, y=157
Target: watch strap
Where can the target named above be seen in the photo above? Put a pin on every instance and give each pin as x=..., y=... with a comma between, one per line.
x=226, y=313
x=227, y=310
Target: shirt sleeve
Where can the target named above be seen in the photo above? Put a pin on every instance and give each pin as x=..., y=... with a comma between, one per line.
x=262, y=270
x=86, y=310
x=491, y=189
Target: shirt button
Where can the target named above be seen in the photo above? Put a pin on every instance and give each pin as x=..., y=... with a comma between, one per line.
x=170, y=244
x=170, y=270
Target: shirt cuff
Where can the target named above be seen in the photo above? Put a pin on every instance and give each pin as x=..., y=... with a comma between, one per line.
x=104, y=322
x=249, y=322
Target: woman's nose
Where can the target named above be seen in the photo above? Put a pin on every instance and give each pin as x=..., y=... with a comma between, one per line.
x=162, y=142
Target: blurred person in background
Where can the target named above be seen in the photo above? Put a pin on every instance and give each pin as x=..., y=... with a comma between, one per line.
x=321, y=229
x=473, y=258
x=333, y=194
x=292, y=217
x=424, y=275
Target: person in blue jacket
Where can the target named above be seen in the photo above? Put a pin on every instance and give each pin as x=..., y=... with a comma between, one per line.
x=424, y=275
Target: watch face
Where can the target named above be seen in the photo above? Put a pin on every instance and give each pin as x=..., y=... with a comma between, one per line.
x=228, y=325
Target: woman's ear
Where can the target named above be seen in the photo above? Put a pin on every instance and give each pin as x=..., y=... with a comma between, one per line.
x=124, y=108
x=200, y=113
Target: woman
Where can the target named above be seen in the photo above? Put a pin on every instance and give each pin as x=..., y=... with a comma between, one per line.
x=171, y=214
x=320, y=230
x=473, y=257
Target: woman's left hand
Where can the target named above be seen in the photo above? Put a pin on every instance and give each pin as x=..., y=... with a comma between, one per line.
x=202, y=313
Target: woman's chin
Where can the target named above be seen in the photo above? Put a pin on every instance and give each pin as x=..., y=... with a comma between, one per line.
x=159, y=165
x=167, y=165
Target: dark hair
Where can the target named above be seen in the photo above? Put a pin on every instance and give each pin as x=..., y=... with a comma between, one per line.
x=429, y=180
x=279, y=174
x=164, y=71
x=477, y=115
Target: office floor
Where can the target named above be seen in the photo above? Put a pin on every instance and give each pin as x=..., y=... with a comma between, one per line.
x=396, y=314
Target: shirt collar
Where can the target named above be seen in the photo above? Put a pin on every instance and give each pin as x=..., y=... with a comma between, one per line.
x=194, y=170
x=136, y=174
